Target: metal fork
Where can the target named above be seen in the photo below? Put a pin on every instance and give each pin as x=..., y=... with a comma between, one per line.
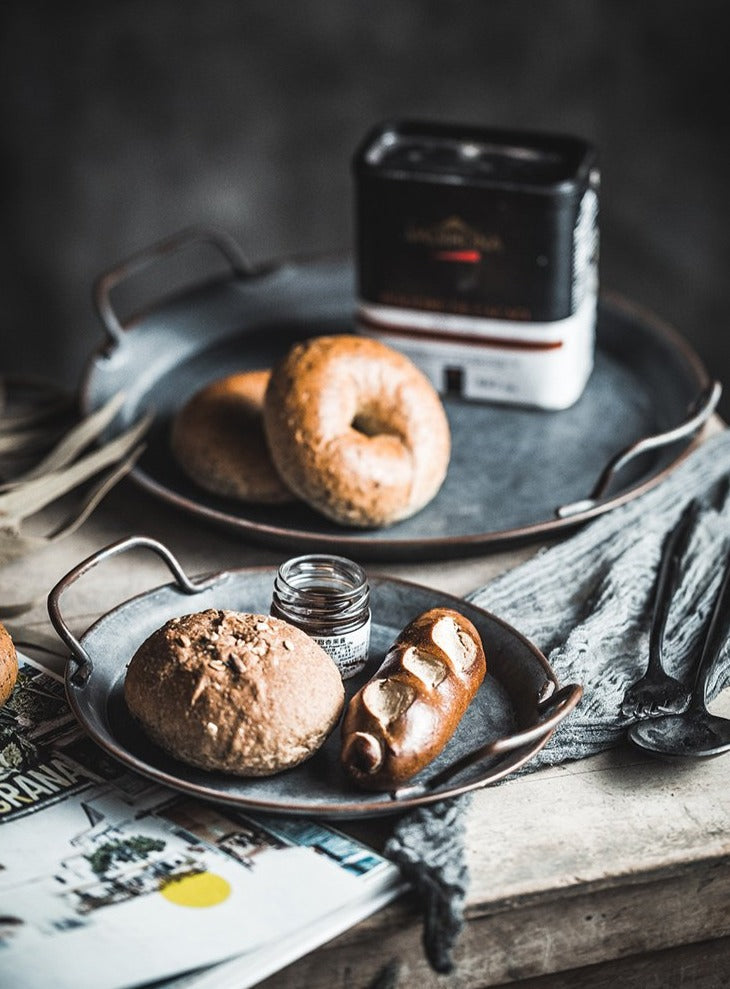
x=657, y=692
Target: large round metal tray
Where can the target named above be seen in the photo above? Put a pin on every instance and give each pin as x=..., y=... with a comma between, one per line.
x=511, y=468
x=516, y=709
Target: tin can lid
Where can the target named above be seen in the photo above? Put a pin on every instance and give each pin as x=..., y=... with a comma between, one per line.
x=419, y=151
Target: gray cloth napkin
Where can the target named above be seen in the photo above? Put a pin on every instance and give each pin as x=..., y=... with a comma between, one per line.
x=586, y=603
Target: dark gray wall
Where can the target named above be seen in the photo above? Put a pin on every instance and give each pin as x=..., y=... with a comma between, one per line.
x=123, y=122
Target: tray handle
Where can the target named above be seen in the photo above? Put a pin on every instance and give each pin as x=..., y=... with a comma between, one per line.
x=79, y=655
x=555, y=706
x=698, y=413
x=137, y=262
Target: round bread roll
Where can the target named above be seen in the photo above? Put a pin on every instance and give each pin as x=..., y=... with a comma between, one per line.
x=356, y=430
x=218, y=440
x=8, y=665
x=244, y=694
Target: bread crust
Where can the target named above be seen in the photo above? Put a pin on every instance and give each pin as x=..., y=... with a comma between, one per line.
x=403, y=717
x=240, y=693
x=8, y=665
x=356, y=430
x=218, y=440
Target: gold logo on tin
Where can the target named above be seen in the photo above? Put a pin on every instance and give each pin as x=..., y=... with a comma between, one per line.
x=453, y=234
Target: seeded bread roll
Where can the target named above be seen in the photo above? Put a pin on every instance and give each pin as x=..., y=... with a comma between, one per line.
x=356, y=430
x=244, y=694
x=8, y=665
x=403, y=717
x=218, y=440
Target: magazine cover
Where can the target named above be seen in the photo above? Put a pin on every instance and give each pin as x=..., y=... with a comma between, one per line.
x=108, y=880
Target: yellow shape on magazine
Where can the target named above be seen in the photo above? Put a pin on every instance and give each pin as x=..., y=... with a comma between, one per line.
x=204, y=889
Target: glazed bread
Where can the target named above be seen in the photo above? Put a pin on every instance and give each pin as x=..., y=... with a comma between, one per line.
x=356, y=430
x=8, y=665
x=240, y=693
x=402, y=718
x=218, y=440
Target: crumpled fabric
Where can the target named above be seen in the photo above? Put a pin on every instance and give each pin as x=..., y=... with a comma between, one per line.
x=586, y=603
x=428, y=845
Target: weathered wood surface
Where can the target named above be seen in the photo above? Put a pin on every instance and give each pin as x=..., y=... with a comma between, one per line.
x=555, y=936
x=705, y=965
x=695, y=966
x=602, y=860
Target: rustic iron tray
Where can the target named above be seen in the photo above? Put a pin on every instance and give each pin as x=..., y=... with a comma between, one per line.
x=512, y=717
x=515, y=474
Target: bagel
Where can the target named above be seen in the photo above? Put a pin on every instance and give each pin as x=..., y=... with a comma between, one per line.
x=356, y=430
x=218, y=440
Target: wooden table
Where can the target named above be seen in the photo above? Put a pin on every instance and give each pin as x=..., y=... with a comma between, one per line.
x=611, y=871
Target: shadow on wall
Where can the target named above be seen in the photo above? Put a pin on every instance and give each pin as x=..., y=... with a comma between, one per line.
x=125, y=122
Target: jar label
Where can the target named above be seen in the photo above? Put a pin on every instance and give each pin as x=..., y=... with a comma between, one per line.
x=349, y=650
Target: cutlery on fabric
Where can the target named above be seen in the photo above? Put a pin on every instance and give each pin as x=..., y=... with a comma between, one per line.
x=695, y=733
x=657, y=692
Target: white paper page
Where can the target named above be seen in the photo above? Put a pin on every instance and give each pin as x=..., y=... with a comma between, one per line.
x=107, y=880
x=247, y=970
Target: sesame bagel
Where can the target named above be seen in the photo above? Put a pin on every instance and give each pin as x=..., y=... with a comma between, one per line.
x=218, y=440
x=356, y=430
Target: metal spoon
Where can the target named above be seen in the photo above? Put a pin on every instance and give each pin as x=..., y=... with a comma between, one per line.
x=696, y=732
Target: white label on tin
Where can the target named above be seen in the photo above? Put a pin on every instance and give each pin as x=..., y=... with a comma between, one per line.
x=349, y=650
x=551, y=378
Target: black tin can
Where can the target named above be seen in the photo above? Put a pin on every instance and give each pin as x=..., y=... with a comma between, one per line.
x=485, y=239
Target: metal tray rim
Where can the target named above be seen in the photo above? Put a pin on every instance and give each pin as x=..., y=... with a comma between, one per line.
x=380, y=805
x=359, y=543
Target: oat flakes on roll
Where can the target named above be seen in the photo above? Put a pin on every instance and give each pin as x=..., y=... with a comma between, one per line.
x=356, y=430
x=244, y=694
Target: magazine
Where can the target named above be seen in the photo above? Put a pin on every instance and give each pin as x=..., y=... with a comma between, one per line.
x=108, y=880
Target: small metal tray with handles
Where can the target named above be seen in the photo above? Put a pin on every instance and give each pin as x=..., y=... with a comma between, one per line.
x=516, y=710
x=516, y=474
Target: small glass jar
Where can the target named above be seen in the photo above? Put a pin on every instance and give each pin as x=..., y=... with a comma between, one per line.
x=327, y=597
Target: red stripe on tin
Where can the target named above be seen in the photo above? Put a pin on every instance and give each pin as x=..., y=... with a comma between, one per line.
x=470, y=339
x=468, y=257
